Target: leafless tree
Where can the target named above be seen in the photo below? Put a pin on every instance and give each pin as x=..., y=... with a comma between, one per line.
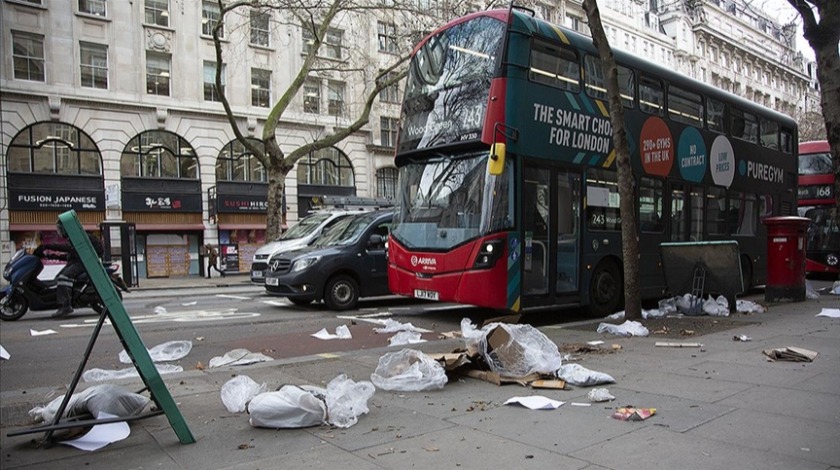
x=630, y=240
x=821, y=25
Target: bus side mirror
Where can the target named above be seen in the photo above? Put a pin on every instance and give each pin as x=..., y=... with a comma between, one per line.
x=496, y=162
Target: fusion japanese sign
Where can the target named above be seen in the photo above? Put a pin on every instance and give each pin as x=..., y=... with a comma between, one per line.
x=56, y=200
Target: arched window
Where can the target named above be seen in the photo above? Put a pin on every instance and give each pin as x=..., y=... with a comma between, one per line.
x=236, y=163
x=386, y=182
x=327, y=167
x=54, y=147
x=159, y=154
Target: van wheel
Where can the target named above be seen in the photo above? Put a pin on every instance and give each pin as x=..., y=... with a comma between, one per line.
x=15, y=308
x=341, y=293
x=605, y=289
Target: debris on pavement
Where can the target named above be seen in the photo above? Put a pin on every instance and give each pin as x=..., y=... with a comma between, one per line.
x=104, y=398
x=512, y=350
x=628, y=328
x=341, y=332
x=748, y=307
x=535, y=402
x=101, y=435
x=499, y=379
x=742, y=338
x=829, y=312
x=347, y=400
x=4, y=354
x=599, y=395
x=169, y=351
x=666, y=344
x=107, y=375
x=159, y=310
x=791, y=354
x=238, y=391
x=576, y=374
x=405, y=337
x=835, y=289
x=392, y=326
x=238, y=357
x=42, y=333
x=408, y=370
x=554, y=384
x=633, y=414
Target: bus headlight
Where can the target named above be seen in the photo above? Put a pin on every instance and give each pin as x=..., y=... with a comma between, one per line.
x=832, y=260
x=491, y=251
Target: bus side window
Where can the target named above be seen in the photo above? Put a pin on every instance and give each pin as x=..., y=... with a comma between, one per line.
x=715, y=115
x=770, y=134
x=555, y=66
x=651, y=96
x=786, y=141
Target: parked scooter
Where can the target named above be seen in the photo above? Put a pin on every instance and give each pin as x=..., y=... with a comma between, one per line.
x=26, y=292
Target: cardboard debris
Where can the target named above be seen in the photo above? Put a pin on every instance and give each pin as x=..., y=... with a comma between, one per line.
x=450, y=334
x=663, y=344
x=451, y=361
x=633, y=414
x=503, y=319
x=555, y=384
x=495, y=378
x=791, y=354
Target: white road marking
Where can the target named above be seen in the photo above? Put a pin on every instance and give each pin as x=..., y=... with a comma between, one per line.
x=276, y=303
x=180, y=317
x=238, y=297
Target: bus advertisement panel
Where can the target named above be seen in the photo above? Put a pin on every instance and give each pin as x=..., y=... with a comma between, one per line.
x=816, y=202
x=508, y=194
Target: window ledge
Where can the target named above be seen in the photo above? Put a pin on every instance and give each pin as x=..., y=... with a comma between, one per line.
x=27, y=4
x=91, y=16
x=261, y=47
x=210, y=38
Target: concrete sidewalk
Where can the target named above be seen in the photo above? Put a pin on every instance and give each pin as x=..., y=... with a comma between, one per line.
x=720, y=406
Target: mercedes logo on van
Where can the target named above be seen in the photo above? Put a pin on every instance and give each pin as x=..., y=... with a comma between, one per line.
x=424, y=261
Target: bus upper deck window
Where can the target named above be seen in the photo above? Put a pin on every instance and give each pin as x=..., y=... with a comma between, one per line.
x=554, y=66
x=743, y=125
x=596, y=85
x=715, y=115
x=786, y=140
x=770, y=134
x=651, y=96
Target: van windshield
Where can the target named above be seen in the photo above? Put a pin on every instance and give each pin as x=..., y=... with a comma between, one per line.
x=306, y=226
x=346, y=231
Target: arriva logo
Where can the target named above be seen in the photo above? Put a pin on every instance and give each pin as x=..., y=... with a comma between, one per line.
x=415, y=260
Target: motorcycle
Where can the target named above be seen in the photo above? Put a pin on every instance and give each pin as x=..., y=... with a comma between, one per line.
x=26, y=292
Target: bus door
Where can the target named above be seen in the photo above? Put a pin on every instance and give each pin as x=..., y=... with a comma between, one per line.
x=551, y=234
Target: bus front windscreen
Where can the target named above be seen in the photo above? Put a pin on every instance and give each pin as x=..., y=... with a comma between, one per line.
x=446, y=201
x=448, y=85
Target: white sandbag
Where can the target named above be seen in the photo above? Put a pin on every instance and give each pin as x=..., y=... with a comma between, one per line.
x=576, y=374
x=628, y=328
x=289, y=407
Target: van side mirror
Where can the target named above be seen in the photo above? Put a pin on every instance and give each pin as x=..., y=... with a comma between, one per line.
x=496, y=162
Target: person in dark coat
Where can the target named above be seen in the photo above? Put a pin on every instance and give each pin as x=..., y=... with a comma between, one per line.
x=212, y=260
x=68, y=274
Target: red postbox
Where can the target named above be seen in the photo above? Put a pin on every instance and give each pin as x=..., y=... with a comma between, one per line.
x=786, y=242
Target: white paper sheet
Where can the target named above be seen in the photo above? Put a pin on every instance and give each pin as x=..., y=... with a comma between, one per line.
x=535, y=402
x=4, y=354
x=830, y=312
x=101, y=435
x=41, y=333
x=341, y=332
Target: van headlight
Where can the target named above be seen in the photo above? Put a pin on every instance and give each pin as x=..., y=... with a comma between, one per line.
x=304, y=263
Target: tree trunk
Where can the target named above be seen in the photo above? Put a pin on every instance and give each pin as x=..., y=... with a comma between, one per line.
x=629, y=237
x=276, y=192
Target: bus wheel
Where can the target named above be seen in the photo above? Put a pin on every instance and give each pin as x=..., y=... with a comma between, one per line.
x=341, y=293
x=746, y=273
x=605, y=289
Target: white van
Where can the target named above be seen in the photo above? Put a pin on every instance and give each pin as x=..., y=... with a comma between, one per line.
x=301, y=234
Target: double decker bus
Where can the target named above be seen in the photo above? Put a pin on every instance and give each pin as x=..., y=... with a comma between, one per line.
x=508, y=197
x=816, y=202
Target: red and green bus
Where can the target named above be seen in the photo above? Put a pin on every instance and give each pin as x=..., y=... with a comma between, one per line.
x=507, y=195
x=816, y=202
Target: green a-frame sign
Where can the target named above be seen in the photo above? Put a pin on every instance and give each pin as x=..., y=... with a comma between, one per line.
x=115, y=311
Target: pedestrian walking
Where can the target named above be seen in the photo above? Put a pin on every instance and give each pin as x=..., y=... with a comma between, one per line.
x=212, y=260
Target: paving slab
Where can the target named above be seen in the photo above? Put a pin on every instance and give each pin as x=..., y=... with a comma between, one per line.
x=819, y=406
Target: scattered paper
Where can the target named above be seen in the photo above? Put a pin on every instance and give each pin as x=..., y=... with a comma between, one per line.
x=160, y=310
x=599, y=395
x=168, y=351
x=633, y=414
x=392, y=326
x=791, y=354
x=830, y=312
x=41, y=333
x=743, y=338
x=238, y=357
x=187, y=304
x=4, y=354
x=101, y=435
x=535, y=402
x=405, y=337
x=341, y=332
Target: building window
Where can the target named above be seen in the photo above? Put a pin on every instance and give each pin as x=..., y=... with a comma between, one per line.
x=159, y=154
x=330, y=48
x=386, y=182
x=387, y=37
x=327, y=167
x=157, y=73
x=210, y=92
x=210, y=17
x=388, y=131
x=390, y=94
x=94, y=65
x=335, y=94
x=236, y=163
x=261, y=88
x=92, y=7
x=28, y=56
x=312, y=97
x=54, y=147
x=260, y=33
x=157, y=12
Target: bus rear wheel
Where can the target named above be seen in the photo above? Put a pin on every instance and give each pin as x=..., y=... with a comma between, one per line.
x=605, y=289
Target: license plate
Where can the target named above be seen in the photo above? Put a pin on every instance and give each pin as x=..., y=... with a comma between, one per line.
x=425, y=294
x=257, y=274
x=272, y=281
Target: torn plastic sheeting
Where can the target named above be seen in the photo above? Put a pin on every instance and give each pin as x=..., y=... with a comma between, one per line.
x=810, y=292
x=829, y=312
x=104, y=398
x=716, y=307
x=628, y=328
x=169, y=351
x=347, y=400
x=238, y=391
x=576, y=374
x=160, y=310
x=238, y=357
x=289, y=407
x=393, y=326
x=408, y=370
x=405, y=337
x=513, y=350
x=748, y=306
x=600, y=395
x=341, y=332
x=104, y=375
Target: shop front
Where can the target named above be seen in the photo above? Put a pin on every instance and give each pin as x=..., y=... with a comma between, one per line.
x=239, y=210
